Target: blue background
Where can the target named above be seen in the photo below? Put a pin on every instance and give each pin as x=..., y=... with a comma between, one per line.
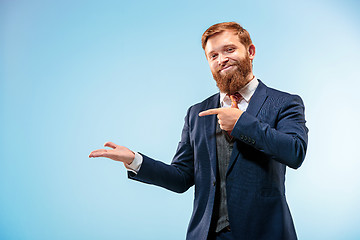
x=75, y=74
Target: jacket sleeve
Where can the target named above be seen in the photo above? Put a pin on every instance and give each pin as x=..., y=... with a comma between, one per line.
x=286, y=141
x=179, y=175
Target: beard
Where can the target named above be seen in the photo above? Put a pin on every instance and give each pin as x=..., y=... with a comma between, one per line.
x=234, y=80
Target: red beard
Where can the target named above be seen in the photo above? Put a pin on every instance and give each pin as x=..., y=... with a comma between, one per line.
x=234, y=80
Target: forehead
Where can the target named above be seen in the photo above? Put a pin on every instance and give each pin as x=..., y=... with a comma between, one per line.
x=222, y=39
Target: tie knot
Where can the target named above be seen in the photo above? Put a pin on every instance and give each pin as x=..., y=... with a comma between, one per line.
x=235, y=98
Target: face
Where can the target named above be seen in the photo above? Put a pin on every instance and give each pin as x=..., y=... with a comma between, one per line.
x=229, y=61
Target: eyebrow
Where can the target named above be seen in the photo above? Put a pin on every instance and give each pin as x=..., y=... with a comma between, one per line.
x=229, y=45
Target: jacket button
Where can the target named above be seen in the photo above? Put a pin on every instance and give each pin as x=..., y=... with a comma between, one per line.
x=245, y=138
x=214, y=183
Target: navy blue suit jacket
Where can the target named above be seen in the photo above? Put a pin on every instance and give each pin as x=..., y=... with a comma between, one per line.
x=270, y=135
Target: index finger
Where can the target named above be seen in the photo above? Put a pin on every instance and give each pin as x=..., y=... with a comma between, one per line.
x=97, y=153
x=210, y=112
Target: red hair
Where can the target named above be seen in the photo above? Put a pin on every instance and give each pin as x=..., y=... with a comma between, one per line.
x=244, y=36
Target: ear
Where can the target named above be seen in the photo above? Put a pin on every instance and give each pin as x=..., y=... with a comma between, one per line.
x=251, y=51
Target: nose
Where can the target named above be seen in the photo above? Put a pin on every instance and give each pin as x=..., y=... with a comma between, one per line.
x=222, y=60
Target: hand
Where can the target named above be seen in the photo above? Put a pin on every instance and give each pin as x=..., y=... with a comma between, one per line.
x=227, y=117
x=117, y=153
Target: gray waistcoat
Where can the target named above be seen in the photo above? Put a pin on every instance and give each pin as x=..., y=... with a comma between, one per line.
x=224, y=147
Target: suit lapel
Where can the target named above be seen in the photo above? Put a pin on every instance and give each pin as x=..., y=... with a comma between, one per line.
x=209, y=123
x=257, y=100
x=255, y=104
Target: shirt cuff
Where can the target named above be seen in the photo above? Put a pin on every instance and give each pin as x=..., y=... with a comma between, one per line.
x=136, y=163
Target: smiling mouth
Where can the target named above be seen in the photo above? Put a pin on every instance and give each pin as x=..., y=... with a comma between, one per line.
x=226, y=68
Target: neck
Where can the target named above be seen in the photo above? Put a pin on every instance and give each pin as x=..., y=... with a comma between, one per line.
x=249, y=78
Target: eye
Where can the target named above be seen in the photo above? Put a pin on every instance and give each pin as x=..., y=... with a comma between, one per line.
x=213, y=56
x=230, y=49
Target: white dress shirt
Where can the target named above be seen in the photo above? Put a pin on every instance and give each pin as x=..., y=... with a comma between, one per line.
x=246, y=92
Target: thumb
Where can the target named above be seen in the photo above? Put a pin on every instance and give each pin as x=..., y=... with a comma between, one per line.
x=110, y=145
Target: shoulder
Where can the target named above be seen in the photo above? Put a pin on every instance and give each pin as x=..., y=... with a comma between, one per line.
x=279, y=96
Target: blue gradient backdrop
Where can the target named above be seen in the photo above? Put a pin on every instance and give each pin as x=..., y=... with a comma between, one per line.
x=75, y=74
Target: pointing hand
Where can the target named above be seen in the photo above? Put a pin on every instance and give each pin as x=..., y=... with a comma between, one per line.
x=227, y=117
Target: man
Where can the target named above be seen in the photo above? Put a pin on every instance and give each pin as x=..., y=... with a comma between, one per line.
x=234, y=148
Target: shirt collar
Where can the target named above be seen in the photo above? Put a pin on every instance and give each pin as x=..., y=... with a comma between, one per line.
x=246, y=92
